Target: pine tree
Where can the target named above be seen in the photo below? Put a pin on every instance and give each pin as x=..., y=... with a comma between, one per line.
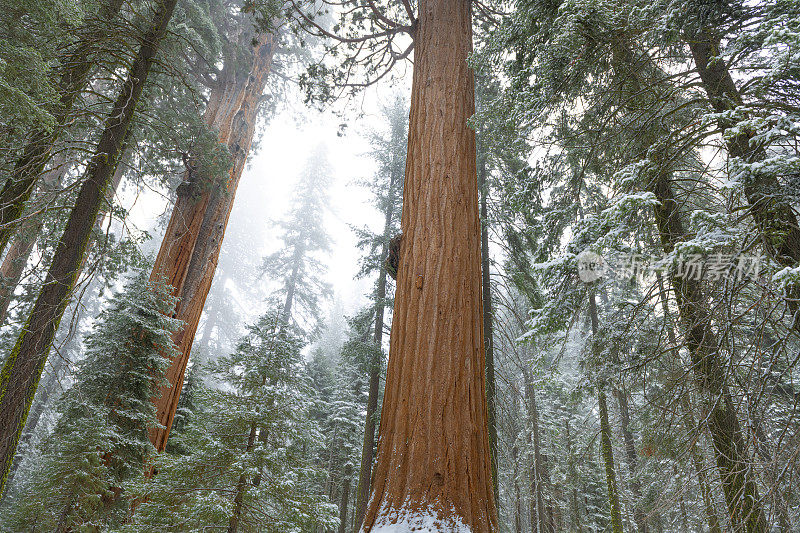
x=100, y=440
x=297, y=264
x=262, y=384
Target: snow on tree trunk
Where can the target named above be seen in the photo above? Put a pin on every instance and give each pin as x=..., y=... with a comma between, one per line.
x=191, y=245
x=433, y=470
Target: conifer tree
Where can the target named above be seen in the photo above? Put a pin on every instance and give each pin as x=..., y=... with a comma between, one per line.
x=263, y=385
x=23, y=367
x=100, y=440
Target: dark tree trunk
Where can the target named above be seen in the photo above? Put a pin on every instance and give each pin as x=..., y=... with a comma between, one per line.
x=631, y=458
x=730, y=447
x=368, y=447
x=488, y=322
x=540, y=478
x=23, y=367
x=773, y=214
x=345, y=497
x=73, y=76
x=606, y=450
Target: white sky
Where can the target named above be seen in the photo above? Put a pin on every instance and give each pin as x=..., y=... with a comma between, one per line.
x=265, y=191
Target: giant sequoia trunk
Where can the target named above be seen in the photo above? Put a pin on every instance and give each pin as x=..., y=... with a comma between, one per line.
x=72, y=78
x=191, y=246
x=433, y=447
x=23, y=367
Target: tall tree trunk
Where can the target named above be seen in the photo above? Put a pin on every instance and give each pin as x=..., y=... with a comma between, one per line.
x=488, y=321
x=697, y=456
x=23, y=367
x=540, y=478
x=573, y=474
x=348, y=469
x=631, y=458
x=73, y=76
x=433, y=449
x=606, y=450
x=241, y=487
x=375, y=364
x=191, y=246
x=774, y=216
x=741, y=492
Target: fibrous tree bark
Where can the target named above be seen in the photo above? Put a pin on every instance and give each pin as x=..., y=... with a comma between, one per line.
x=73, y=76
x=190, y=250
x=23, y=367
x=433, y=446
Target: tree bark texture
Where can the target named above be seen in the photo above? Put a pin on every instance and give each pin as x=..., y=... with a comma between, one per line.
x=73, y=76
x=23, y=367
x=433, y=446
x=190, y=250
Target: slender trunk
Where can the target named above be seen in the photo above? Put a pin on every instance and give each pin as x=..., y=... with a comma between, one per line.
x=23, y=367
x=190, y=249
x=345, y=496
x=488, y=322
x=631, y=458
x=73, y=76
x=697, y=456
x=368, y=447
x=517, y=494
x=433, y=450
x=681, y=502
x=291, y=285
x=741, y=493
x=539, y=477
x=730, y=448
x=606, y=451
x=577, y=523
x=773, y=214
x=241, y=487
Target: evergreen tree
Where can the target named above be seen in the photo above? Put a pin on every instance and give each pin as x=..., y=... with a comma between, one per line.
x=231, y=475
x=100, y=440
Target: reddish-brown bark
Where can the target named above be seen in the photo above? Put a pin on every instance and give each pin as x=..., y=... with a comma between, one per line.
x=433, y=448
x=190, y=249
